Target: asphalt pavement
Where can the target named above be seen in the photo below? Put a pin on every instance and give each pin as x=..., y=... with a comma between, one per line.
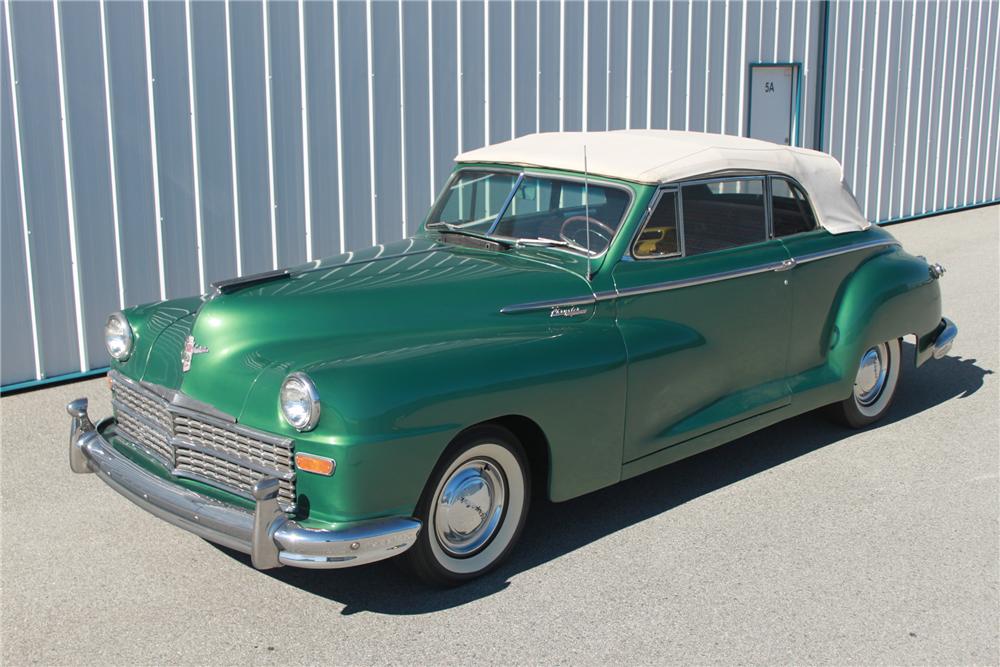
x=804, y=543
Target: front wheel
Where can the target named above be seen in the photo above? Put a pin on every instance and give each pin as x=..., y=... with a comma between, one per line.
x=473, y=508
x=874, y=386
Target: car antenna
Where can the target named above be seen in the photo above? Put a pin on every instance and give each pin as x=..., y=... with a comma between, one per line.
x=586, y=204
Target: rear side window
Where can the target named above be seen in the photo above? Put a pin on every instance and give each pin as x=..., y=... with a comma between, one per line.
x=659, y=236
x=723, y=214
x=790, y=208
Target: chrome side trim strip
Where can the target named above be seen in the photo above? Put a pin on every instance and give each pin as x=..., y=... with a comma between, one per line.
x=863, y=245
x=551, y=303
x=783, y=265
x=690, y=282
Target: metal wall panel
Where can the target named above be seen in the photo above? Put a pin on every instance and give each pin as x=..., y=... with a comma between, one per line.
x=37, y=81
x=17, y=352
x=500, y=69
x=286, y=132
x=571, y=90
x=126, y=58
x=321, y=100
x=909, y=131
x=715, y=47
x=359, y=228
x=472, y=126
x=444, y=96
x=91, y=172
x=387, y=129
x=420, y=184
x=168, y=46
x=525, y=67
x=596, y=45
x=252, y=150
x=734, y=50
x=988, y=151
x=548, y=67
x=618, y=50
x=289, y=130
x=636, y=102
x=211, y=86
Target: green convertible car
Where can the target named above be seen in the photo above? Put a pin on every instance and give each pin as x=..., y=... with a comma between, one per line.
x=577, y=309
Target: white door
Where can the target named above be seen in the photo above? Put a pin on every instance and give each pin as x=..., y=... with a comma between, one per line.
x=772, y=102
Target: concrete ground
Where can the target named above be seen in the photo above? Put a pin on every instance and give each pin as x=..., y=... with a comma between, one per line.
x=805, y=543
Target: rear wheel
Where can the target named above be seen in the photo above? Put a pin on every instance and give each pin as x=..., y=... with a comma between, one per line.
x=473, y=508
x=874, y=386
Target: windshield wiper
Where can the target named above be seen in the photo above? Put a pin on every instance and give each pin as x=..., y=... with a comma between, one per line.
x=544, y=243
x=449, y=228
x=551, y=243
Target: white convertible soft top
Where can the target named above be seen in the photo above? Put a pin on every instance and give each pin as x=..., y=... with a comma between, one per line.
x=663, y=156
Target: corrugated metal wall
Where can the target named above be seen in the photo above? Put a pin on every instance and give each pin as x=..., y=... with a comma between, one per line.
x=149, y=149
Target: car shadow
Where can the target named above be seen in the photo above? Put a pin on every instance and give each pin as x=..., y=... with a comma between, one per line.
x=556, y=529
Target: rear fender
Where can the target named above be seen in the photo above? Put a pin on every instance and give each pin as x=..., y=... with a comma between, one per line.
x=890, y=295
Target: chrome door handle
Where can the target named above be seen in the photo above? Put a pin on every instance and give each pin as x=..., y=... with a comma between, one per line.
x=786, y=265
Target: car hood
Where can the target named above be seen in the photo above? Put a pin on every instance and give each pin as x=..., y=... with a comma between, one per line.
x=402, y=298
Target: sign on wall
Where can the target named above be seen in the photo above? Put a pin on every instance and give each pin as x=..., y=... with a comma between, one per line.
x=774, y=102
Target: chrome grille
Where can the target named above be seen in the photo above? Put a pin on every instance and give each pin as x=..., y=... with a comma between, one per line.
x=155, y=439
x=147, y=406
x=262, y=453
x=201, y=446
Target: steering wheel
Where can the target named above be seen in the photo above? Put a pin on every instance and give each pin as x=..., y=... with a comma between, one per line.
x=597, y=228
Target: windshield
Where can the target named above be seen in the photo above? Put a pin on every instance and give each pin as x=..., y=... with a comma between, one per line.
x=536, y=210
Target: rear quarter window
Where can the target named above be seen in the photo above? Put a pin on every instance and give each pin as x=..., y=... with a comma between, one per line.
x=790, y=208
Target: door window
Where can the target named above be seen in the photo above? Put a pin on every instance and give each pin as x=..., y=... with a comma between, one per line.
x=723, y=214
x=790, y=208
x=659, y=236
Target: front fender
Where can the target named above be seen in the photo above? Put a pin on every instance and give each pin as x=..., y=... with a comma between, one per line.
x=388, y=414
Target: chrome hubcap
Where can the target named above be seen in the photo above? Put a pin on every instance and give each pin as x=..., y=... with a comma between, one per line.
x=470, y=506
x=872, y=374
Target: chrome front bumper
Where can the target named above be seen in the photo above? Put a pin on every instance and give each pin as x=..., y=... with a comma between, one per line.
x=267, y=534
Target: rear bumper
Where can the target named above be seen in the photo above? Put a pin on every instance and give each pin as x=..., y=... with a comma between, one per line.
x=266, y=534
x=945, y=337
x=936, y=343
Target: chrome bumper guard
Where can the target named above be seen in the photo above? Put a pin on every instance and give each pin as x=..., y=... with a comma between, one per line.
x=945, y=339
x=267, y=534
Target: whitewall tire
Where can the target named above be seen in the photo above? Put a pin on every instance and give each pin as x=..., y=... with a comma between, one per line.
x=473, y=508
x=875, y=383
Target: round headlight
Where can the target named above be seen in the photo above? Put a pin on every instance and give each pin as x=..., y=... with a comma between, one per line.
x=118, y=336
x=299, y=402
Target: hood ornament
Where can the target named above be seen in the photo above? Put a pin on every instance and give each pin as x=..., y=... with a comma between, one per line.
x=190, y=349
